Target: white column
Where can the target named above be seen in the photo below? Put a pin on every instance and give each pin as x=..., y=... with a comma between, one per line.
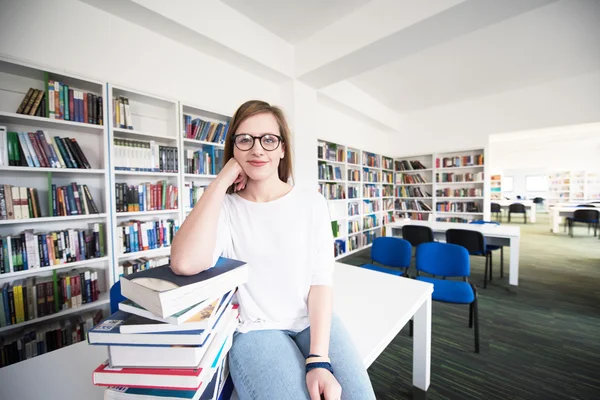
x=422, y=346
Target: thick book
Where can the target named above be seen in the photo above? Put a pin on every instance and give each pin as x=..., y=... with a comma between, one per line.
x=201, y=318
x=162, y=292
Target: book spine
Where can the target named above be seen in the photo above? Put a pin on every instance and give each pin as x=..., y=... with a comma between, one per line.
x=39, y=152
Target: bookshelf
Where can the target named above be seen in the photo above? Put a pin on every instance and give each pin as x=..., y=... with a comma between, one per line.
x=565, y=186
x=592, y=186
x=496, y=187
x=359, y=189
x=16, y=81
x=559, y=187
x=448, y=186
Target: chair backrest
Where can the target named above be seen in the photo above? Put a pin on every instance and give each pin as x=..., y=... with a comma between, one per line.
x=538, y=200
x=516, y=208
x=586, y=215
x=417, y=234
x=585, y=205
x=496, y=208
x=391, y=251
x=482, y=222
x=443, y=259
x=473, y=241
x=115, y=297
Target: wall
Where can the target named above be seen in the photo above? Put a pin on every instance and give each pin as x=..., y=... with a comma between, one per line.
x=519, y=177
x=90, y=42
x=468, y=124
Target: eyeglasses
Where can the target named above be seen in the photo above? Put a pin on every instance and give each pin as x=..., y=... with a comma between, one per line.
x=268, y=142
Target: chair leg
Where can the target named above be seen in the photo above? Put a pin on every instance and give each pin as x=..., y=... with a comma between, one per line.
x=491, y=278
x=471, y=315
x=525, y=215
x=501, y=261
x=476, y=320
x=509, y=216
x=485, y=273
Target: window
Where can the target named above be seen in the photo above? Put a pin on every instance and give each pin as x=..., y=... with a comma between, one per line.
x=536, y=183
x=507, y=184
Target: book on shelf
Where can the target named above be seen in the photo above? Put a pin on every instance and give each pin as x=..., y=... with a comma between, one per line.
x=42, y=339
x=352, y=156
x=353, y=227
x=412, y=205
x=387, y=163
x=354, y=175
x=71, y=199
x=371, y=191
x=330, y=172
x=370, y=221
x=409, y=179
x=368, y=237
x=339, y=247
x=353, y=192
x=462, y=161
x=461, y=206
x=370, y=206
x=147, y=156
x=30, y=250
x=453, y=177
x=146, y=196
x=411, y=191
x=19, y=203
x=330, y=152
x=122, y=117
x=353, y=242
x=191, y=194
x=133, y=236
x=206, y=161
x=204, y=130
x=164, y=293
x=370, y=160
x=332, y=191
x=372, y=176
x=353, y=209
x=40, y=150
x=140, y=264
x=408, y=165
x=459, y=192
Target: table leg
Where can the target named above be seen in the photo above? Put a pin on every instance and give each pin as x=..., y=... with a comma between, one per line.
x=513, y=278
x=532, y=214
x=422, y=346
x=555, y=221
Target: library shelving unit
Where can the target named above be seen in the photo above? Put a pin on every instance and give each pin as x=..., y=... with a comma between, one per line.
x=202, y=153
x=448, y=186
x=496, y=187
x=577, y=187
x=592, y=186
x=359, y=188
x=24, y=238
x=145, y=194
x=559, y=187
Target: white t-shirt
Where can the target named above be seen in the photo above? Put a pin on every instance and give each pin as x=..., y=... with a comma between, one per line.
x=288, y=246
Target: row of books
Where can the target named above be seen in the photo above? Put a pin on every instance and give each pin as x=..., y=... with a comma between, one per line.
x=191, y=194
x=462, y=206
x=330, y=172
x=452, y=177
x=370, y=160
x=133, y=236
x=30, y=250
x=370, y=221
x=72, y=199
x=146, y=197
x=43, y=339
x=371, y=191
x=353, y=192
x=461, y=192
x=353, y=242
x=352, y=157
x=332, y=191
x=34, y=103
x=31, y=298
x=352, y=209
x=387, y=191
x=207, y=131
x=452, y=219
x=330, y=151
x=388, y=204
x=408, y=165
x=138, y=155
x=369, y=236
x=371, y=206
x=122, y=117
x=354, y=175
x=372, y=176
x=411, y=191
x=38, y=149
x=388, y=218
x=173, y=346
x=353, y=227
x=207, y=161
x=413, y=216
x=464, y=161
x=387, y=163
x=141, y=264
x=412, y=205
x=388, y=177
x=409, y=179
x=19, y=202
x=339, y=247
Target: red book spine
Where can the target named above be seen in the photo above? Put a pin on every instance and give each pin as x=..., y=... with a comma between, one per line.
x=37, y=148
x=85, y=108
x=71, y=106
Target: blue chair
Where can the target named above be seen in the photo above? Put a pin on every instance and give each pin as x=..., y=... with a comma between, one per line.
x=474, y=242
x=492, y=247
x=391, y=252
x=115, y=297
x=449, y=261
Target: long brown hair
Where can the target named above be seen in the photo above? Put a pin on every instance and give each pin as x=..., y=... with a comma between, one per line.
x=253, y=107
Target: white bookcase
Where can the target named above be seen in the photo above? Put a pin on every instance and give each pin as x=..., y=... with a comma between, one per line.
x=15, y=80
x=452, y=186
x=355, y=183
x=578, y=186
x=153, y=120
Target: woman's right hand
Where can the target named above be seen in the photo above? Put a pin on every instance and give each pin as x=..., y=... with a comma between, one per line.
x=233, y=174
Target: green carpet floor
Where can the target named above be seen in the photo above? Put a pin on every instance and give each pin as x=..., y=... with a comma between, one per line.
x=540, y=341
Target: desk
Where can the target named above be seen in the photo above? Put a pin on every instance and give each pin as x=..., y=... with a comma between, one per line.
x=529, y=205
x=557, y=213
x=501, y=235
x=373, y=306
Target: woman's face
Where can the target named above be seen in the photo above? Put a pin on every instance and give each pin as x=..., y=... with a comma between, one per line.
x=258, y=161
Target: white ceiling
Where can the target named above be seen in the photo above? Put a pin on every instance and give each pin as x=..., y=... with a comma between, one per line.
x=295, y=20
x=548, y=43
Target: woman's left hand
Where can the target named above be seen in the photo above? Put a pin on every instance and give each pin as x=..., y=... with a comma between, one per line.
x=321, y=381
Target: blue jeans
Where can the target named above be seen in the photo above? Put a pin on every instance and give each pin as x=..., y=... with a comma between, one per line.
x=270, y=364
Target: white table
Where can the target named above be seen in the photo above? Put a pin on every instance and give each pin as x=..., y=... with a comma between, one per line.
x=501, y=235
x=557, y=213
x=530, y=206
x=373, y=306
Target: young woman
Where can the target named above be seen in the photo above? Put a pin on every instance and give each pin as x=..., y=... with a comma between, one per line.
x=288, y=345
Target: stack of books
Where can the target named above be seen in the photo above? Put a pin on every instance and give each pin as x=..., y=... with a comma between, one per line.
x=170, y=337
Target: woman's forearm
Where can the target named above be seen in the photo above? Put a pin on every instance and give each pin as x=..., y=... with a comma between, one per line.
x=320, y=303
x=193, y=246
